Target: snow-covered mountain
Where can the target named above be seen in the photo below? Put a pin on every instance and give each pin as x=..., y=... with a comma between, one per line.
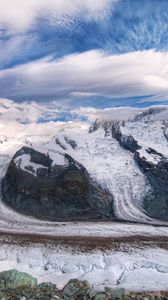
x=112, y=169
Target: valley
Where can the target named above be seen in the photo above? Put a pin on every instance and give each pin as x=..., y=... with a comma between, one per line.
x=126, y=238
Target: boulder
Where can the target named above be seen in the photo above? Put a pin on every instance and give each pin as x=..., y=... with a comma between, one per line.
x=13, y=279
x=76, y=289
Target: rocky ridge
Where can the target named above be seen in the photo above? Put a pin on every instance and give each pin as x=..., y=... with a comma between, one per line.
x=152, y=163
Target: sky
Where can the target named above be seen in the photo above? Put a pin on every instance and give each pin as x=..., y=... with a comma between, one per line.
x=83, y=54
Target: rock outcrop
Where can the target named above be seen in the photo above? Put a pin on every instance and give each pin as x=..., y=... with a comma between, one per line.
x=126, y=141
x=14, y=279
x=34, y=185
x=157, y=174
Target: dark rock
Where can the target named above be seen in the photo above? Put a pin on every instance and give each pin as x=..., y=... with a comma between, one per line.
x=54, y=192
x=156, y=204
x=95, y=126
x=57, y=141
x=71, y=142
x=46, y=285
x=76, y=289
x=126, y=141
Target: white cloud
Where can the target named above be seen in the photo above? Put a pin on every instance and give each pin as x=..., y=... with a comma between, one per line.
x=108, y=114
x=18, y=19
x=20, y=15
x=26, y=112
x=122, y=113
x=21, y=119
x=157, y=81
x=89, y=73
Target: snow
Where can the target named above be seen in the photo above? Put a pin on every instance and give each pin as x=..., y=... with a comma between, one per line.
x=148, y=134
x=151, y=158
x=57, y=157
x=136, y=269
x=115, y=170
x=24, y=162
x=112, y=167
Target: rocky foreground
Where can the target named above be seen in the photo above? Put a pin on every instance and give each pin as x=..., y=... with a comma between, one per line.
x=15, y=285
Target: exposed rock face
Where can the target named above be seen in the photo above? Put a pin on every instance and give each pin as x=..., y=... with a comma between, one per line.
x=126, y=141
x=157, y=174
x=53, y=192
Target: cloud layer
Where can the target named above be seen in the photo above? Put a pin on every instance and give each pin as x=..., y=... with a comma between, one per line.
x=88, y=74
x=34, y=29
x=75, y=52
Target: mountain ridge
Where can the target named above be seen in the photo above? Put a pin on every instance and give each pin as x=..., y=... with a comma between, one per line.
x=126, y=161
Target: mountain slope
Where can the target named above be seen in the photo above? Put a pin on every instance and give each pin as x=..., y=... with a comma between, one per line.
x=125, y=171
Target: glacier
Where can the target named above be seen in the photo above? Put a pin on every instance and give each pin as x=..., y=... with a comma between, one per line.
x=114, y=168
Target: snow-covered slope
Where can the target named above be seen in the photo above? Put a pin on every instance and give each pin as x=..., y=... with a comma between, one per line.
x=126, y=159
x=108, y=164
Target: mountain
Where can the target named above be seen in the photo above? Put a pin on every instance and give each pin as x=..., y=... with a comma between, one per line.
x=112, y=170
x=54, y=189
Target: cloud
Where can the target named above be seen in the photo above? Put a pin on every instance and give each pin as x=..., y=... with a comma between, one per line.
x=108, y=114
x=160, y=113
x=32, y=29
x=90, y=73
x=23, y=113
x=19, y=15
x=20, y=120
x=11, y=49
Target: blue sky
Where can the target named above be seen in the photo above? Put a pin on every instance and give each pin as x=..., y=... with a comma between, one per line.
x=100, y=53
